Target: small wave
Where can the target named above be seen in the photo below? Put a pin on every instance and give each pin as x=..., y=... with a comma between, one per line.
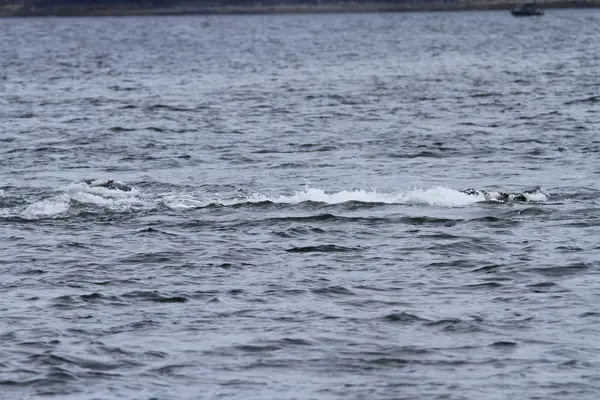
x=503, y=344
x=153, y=231
x=154, y=296
x=151, y=258
x=333, y=291
x=485, y=94
x=118, y=88
x=300, y=232
x=169, y=107
x=562, y=270
x=326, y=248
x=589, y=100
x=421, y=154
x=404, y=317
x=323, y=217
x=119, y=129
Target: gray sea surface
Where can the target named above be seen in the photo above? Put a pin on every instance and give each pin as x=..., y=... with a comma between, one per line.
x=296, y=227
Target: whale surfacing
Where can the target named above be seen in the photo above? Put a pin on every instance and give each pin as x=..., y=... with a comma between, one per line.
x=108, y=184
x=497, y=196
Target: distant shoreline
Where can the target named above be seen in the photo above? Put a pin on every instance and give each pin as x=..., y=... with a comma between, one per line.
x=119, y=10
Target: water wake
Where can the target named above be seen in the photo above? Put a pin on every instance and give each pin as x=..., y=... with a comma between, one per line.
x=82, y=194
x=439, y=196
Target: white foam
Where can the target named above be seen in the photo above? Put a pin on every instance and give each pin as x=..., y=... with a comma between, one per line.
x=47, y=208
x=184, y=201
x=82, y=193
x=116, y=199
x=104, y=197
x=82, y=187
x=438, y=196
x=320, y=196
x=536, y=196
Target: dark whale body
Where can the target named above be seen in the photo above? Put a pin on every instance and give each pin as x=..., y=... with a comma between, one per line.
x=108, y=184
x=496, y=196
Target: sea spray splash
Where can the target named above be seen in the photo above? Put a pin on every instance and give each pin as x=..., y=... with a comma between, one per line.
x=80, y=192
x=438, y=196
x=47, y=208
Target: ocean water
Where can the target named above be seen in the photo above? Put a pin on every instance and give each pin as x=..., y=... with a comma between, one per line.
x=296, y=226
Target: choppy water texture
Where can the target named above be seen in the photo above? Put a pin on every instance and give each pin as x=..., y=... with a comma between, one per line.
x=296, y=228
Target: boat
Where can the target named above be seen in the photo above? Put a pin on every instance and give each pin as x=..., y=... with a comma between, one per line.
x=526, y=10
